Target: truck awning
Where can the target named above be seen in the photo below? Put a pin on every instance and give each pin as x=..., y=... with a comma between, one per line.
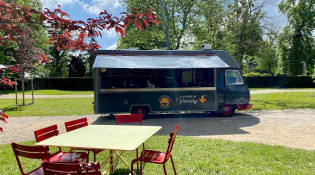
x=158, y=61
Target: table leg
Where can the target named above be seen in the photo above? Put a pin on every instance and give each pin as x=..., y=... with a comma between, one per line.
x=113, y=161
x=124, y=161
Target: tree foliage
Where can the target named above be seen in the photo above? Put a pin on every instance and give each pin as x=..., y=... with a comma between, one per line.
x=208, y=25
x=296, y=43
x=59, y=26
x=175, y=18
x=18, y=21
x=76, y=67
x=243, y=28
x=235, y=26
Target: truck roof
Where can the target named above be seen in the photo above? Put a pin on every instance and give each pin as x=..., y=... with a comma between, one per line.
x=154, y=59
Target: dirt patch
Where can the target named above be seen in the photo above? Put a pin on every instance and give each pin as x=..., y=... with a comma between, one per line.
x=290, y=128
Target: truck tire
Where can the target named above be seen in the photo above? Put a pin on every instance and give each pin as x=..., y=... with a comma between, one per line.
x=227, y=111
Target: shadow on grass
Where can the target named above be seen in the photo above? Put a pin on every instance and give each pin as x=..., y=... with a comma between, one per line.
x=11, y=108
x=194, y=124
x=122, y=171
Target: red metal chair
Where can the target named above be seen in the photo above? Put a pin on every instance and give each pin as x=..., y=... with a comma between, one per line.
x=69, y=168
x=79, y=123
x=158, y=157
x=50, y=131
x=31, y=152
x=131, y=118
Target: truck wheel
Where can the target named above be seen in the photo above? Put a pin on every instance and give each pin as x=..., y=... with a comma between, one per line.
x=227, y=111
x=140, y=110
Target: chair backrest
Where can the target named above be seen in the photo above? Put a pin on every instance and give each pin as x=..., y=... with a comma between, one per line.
x=31, y=152
x=132, y=118
x=171, y=142
x=70, y=168
x=75, y=124
x=45, y=133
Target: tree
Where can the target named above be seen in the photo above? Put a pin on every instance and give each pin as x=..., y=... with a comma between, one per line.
x=297, y=43
x=13, y=18
x=175, y=16
x=243, y=28
x=76, y=67
x=266, y=58
x=208, y=26
x=60, y=58
x=25, y=55
x=15, y=21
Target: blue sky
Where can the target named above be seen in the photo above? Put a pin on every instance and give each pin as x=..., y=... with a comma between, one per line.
x=84, y=9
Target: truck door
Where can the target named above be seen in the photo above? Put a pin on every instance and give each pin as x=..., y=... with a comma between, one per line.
x=236, y=90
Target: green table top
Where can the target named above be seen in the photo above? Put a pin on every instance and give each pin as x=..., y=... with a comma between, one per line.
x=111, y=137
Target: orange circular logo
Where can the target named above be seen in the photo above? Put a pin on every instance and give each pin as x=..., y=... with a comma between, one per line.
x=165, y=101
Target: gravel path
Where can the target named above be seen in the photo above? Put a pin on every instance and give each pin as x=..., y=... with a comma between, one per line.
x=290, y=128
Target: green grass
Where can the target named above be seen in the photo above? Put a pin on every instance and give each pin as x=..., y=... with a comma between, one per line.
x=203, y=157
x=83, y=106
x=285, y=100
x=254, y=89
x=49, y=92
x=49, y=107
x=64, y=92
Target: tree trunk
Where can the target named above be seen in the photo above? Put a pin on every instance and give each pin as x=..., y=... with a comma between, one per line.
x=166, y=31
x=23, y=91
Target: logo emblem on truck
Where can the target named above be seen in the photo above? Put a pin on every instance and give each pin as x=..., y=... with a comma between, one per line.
x=202, y=99
x=165, y=101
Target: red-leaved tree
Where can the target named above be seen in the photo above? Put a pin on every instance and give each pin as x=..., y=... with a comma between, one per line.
x=15, y=20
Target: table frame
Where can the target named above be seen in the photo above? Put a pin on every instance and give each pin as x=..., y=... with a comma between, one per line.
x=116, y=138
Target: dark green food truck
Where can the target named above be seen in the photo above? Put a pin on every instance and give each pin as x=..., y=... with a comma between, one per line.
x=164, y=81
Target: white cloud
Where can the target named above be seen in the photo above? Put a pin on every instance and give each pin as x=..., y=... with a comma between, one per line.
x=93, y=7
x=96, y=6
x=112, y=33
x=112, y=47
x=51, y=4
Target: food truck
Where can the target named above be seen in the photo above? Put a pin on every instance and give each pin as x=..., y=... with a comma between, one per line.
x=168, y=81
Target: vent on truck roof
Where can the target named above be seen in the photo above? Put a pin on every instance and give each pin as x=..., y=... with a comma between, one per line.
x=206, y=47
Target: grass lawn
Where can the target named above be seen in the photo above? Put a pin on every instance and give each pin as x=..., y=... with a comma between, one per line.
x=49, y=107
x=48, y=92
x=283, y=100
x=204, y=156
x=83, y=106
x=253, y=89
x=65, y=92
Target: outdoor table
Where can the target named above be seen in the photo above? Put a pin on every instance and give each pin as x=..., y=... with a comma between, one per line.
x=117, y=138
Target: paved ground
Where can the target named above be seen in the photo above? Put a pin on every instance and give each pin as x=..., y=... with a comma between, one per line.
x=290, y=128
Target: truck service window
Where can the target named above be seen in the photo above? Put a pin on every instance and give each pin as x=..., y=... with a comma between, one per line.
x=156, y=78
x=233, y=77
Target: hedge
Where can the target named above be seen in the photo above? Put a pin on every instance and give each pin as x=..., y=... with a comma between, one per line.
x=86, y=83
x=79, y=83
x=280, y=82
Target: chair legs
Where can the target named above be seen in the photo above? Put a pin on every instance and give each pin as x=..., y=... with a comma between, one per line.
x=164, y=166
x=94, y=154
x=111, y=162
x=137, y=158
x=133, y=162
x=164, y=169
x=141, y=168
x=173, y=165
